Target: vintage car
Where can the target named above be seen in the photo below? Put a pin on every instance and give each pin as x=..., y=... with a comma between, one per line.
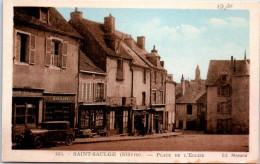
x=50, y=132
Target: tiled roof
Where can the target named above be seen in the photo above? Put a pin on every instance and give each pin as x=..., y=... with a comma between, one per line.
x=193, y=91
x=96, y=30
x=87, y=65
x=57, y=23
x=216, y=67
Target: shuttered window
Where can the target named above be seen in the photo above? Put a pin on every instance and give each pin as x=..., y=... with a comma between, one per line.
x=112, y=120
x=25, y=46
x=56, y=53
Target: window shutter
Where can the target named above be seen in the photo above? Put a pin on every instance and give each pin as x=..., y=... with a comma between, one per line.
x=94, y=91
x=88, y=91
x=48, y=52
x=64, y=55
x=105, y=91
x=218, y=107
x=32, y=50
x=84, y=92
x=17, y=47
x=28, y=45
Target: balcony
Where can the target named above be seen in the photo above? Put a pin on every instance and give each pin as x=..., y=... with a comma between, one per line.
x=97, y=102
x=122, y=101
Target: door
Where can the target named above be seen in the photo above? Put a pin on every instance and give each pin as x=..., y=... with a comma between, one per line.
x=119, y=121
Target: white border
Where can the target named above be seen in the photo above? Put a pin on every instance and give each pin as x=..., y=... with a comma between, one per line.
x=49, y=156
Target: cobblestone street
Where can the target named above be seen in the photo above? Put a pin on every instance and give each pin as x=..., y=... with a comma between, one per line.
x=186, y=142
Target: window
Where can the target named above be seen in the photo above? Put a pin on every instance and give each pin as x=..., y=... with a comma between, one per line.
x=86, y=92
x=143, y=98
x=189, y=109
x=161, y=97
x=224, y=78
x=154, y=96
x=112, y=120
x=120, y=71
x=56, y=53
x=125, y=118
x=144, y=76
x=99, y=92
x=161, y=79
x=224, y=91
x=154, y=77
x=25, y=47
x=224, y=108
x=44, y=15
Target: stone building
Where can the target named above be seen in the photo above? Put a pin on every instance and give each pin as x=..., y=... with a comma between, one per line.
x=187, y=94
x=170, y=103
x=228, y=96
x=136, y=79
x=157, y=79
x=92, y=98
x=103, y=48
x=45, y=68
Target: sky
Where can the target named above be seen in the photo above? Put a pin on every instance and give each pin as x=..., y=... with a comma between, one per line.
x=183, y=38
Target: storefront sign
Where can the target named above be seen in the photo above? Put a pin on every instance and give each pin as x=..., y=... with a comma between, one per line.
x=20, y=93
x=60, y=99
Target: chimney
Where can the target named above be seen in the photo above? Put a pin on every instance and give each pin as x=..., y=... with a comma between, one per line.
x=245, y=55
x=182, y=85
x=141, y=42
x=234, y=66
x=162, y=63
x=154, y=50
x=76, y=15
x=109, y=23
x=170, y=76
x=129, y=41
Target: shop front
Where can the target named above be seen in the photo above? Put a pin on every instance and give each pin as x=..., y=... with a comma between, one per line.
x=26, y=110
x=119, y=120
x=92, y=117
x=59, y=107
x=141, y=122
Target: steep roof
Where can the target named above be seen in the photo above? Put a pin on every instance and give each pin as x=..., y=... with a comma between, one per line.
x=87, y=65
x=96, y=30
x=216, y=67
x=57, y=24
x=193, y=91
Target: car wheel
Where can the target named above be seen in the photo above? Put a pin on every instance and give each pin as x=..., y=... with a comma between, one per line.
x=69, y=140
x=38, y=142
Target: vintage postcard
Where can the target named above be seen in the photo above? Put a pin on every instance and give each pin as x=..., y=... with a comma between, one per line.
x=142, y=81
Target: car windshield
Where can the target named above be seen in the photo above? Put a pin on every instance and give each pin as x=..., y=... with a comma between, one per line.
x=54, y=126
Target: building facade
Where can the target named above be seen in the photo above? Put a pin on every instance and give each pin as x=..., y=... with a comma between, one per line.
x=45, y=60
x=228, y=96
x=170, y=103
x=92, y=99
x=187, y=94
x=103, y=48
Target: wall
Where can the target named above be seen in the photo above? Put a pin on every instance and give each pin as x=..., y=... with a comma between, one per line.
x=240, y=104
x=51, y=79
x=158, y=86
x=118, y=88
x=170, y=103
x=181, y=114
x=212, y=115
x=140, y=87
x=89, y=78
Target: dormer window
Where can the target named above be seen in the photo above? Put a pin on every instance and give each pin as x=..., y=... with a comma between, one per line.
x=224, y=78
x=44, y=15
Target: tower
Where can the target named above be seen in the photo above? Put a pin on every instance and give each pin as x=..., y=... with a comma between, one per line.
x=182, y=85
x=197, y=74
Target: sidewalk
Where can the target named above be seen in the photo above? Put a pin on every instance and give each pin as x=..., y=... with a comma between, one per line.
x=124, y=138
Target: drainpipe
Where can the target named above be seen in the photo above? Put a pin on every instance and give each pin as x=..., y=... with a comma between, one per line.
x=132, y=80
x=132, y=95
x=78, y=76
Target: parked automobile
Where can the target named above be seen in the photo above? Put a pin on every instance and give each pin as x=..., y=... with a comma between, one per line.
x=50, y=132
